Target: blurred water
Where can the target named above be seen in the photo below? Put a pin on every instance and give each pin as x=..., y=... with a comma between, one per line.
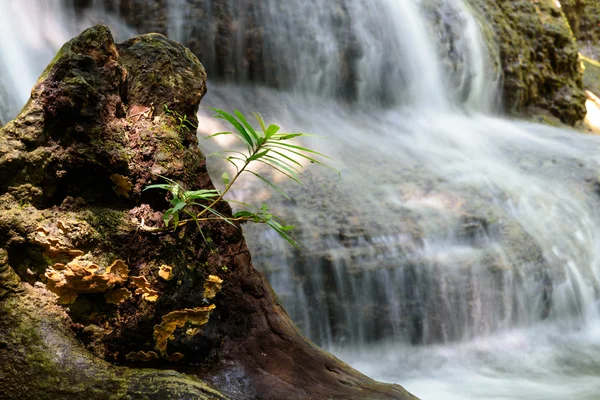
x=457, y=256
x=540, y=363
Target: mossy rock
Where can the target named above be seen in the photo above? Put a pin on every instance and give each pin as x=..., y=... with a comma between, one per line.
x=539, y=57
x=591, y=75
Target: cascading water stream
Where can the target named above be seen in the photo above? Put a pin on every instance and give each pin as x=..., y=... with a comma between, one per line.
x=458, y=254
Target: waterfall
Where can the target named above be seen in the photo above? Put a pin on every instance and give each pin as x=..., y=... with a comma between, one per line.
x=19, y=68
x=31, y=32
x=339, y=49
x=459, y=252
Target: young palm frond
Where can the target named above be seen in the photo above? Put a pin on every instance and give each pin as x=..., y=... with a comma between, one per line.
x=264, y=146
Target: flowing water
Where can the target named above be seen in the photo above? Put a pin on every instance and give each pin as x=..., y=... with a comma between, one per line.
x=458, y=255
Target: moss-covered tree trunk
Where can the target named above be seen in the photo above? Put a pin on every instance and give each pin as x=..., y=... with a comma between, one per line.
x=93, y=307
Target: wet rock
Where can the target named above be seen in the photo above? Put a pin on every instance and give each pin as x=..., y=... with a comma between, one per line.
x=584, y=17
x=538, y=56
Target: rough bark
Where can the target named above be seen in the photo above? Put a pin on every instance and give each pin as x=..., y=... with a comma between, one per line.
x=73, y=166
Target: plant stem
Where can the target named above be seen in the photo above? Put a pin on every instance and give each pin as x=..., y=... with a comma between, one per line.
x=186, y=221
x=218, y=199
x=232, y=181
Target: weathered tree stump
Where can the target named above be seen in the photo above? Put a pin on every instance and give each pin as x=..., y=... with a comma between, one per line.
x=92, y=307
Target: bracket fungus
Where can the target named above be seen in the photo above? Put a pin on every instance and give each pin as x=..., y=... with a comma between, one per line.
x=117, y=296
x=67, y=281
x=212, y=286
x=54, y=244
x=122, y=185
x=62, y=237
x=166, y=272
x=142, y=356
x=178, y=319
x=143, y=288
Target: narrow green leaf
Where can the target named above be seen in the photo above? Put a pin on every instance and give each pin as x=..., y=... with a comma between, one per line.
x=231, y=119
x=175, y=190
x=285, y=164
x=231, y=162
x=292, y=177
x=288, y=136
x=218, y=134
x=237, y=158
x=167, y=216
x=179, y=206
x=171, y=181
x=215, y=212
x=241, y=203
x=237, y=135
x=257, y=156
x=275, y=224
x=175, y=219
x=301, y=149
x=287, y=157
x=249, y=127
x=273, y=186
x=271, y=130
x=282, y=233
x=243, y=213
x=260, y=120
x=243, y=135
x=163, y=186
x=236, y=152
x=201, y=191
x=201, y=194
x=306, y=157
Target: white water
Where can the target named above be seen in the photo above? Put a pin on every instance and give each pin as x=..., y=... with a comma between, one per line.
x=429, y=264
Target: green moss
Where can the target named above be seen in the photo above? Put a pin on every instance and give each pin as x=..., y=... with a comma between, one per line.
x=538, y=56
x=584, y=18
x=109, y=222
x=59, y=55
x=46, y=363
x=591, y=75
